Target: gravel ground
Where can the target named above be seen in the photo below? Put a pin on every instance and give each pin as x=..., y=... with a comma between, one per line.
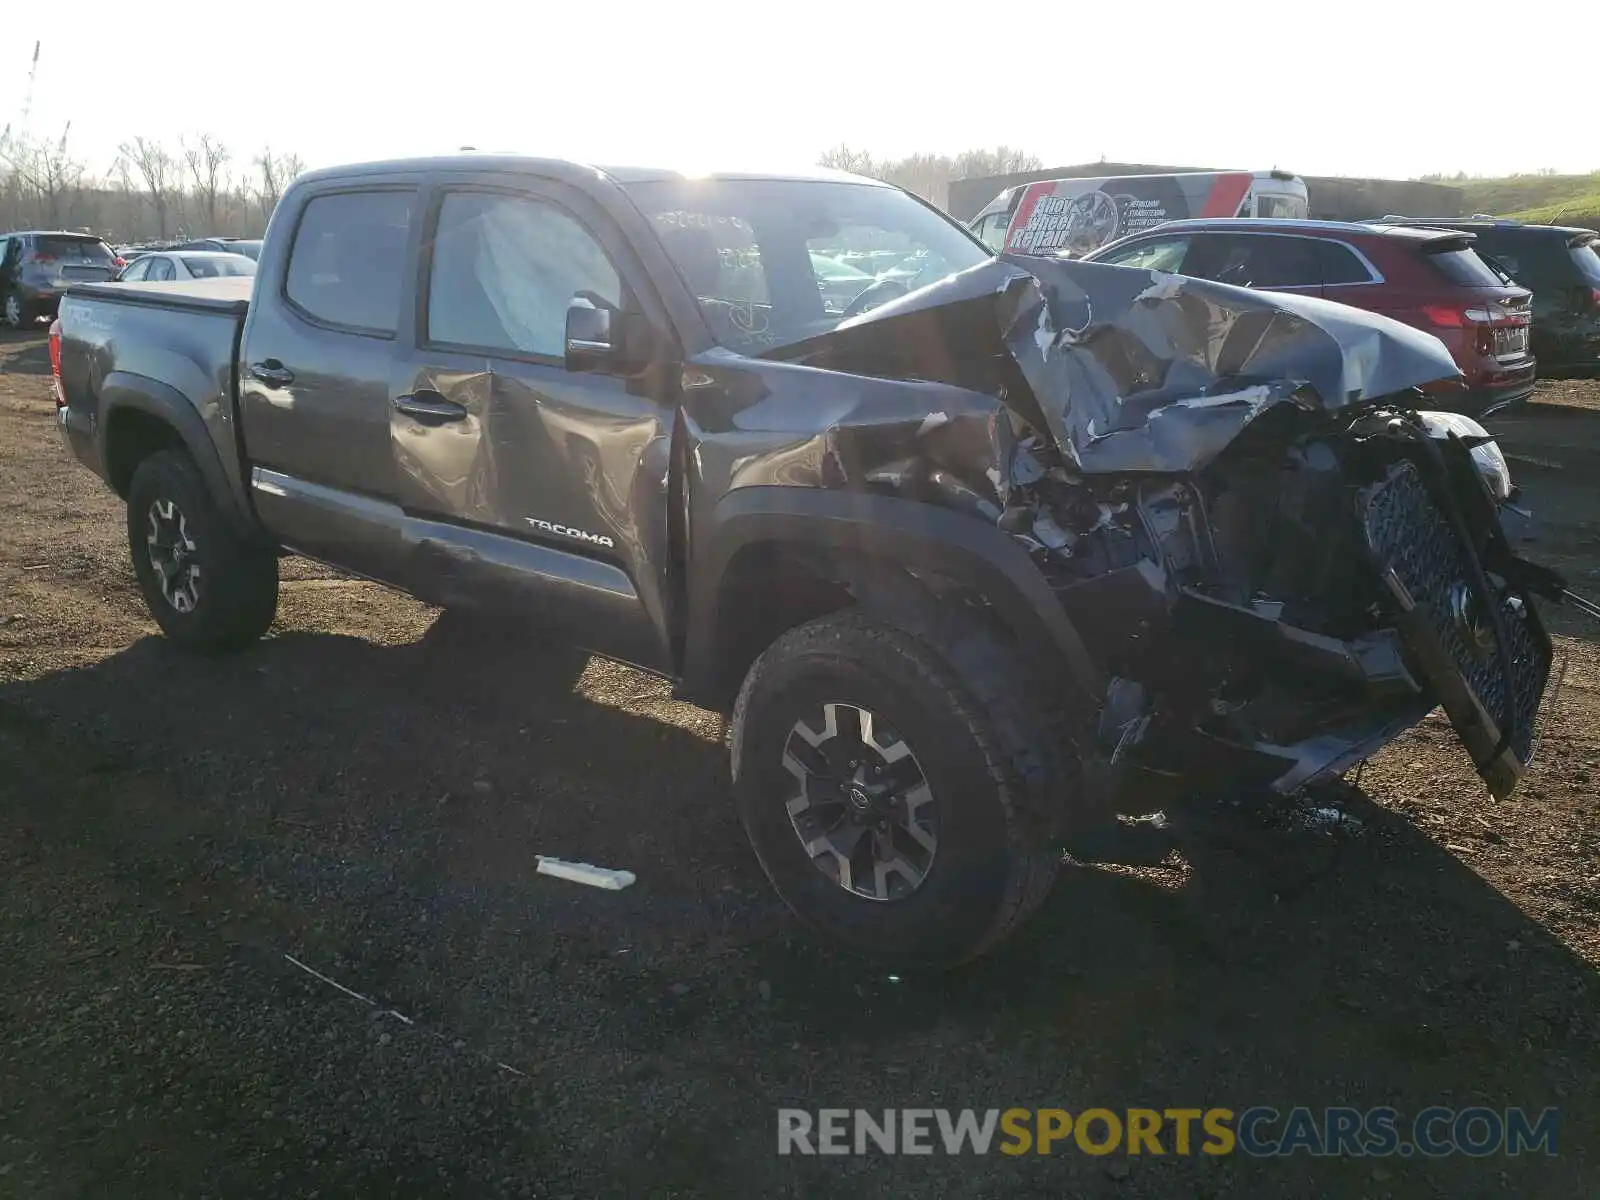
x=363, y=793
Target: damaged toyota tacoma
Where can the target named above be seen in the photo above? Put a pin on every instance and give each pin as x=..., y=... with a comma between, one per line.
x=976, y=557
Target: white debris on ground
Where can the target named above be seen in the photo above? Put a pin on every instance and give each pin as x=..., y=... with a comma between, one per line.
x=600, y=877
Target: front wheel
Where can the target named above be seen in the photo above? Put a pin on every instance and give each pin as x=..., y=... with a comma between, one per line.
x=207, y=586
x=886, y=796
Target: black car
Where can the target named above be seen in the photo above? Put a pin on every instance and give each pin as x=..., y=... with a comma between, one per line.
x=1561, y=266
x=36, y=267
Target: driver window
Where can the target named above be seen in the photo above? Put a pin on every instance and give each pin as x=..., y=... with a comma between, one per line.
x=505, y=268
x=161, y=271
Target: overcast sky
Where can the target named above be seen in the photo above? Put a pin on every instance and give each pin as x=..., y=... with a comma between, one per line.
x=1399, y=89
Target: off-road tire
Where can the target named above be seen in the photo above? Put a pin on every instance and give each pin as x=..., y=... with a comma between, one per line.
x=999, y=773
x=238, y=592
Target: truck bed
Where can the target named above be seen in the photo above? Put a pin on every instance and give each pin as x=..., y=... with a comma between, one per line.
x=163, y=349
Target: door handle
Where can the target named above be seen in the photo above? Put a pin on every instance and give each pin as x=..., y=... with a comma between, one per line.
x=272, y=373
x=429, y=407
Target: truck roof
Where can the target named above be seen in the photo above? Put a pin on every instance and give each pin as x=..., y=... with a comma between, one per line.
x=569, y=170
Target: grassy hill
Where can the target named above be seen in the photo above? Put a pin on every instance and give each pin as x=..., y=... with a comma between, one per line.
x=1545, y=199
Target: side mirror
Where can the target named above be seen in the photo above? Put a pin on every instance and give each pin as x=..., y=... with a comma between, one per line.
x=593, y=335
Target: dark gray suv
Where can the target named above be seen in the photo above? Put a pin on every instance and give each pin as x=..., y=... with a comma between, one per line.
x=36, y=267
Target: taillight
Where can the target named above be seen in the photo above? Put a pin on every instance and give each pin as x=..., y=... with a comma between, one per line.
x=55, y=362
x=1594, y=297
x=119, y=263
x=1445, y=318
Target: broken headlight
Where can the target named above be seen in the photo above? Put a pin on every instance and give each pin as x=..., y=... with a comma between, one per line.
x=1491, y=463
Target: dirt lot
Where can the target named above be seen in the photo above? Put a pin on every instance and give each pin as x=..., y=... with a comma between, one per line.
x=365, y=792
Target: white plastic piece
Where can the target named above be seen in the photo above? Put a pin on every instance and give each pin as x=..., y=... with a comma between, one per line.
x=600, y=877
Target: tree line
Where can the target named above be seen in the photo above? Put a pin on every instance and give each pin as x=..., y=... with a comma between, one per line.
x=200, y=188
x=152, y=191
x=930, y=175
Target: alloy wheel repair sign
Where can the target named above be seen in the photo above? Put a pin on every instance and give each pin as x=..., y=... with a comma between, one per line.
x=1075, y=216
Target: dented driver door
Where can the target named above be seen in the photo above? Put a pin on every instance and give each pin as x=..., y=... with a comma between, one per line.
x=526, y=486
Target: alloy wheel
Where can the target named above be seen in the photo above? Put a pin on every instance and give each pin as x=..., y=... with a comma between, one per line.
x=861, y=806
x=173, y=555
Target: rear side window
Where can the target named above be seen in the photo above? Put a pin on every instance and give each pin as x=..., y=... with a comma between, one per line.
x=1464, y=267
x=161, y=271
x=1260, y=260
x=1340, y=265
x=348, y=259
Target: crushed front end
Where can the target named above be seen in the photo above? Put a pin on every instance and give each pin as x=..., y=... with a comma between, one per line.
x=1282, y=613
x=1277, y=561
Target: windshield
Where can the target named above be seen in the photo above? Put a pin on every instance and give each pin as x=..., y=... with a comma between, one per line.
x=1280, y=206
x=1588, y=260
x=774, y=262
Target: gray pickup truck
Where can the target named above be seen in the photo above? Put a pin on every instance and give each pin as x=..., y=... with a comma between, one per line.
x=976, y=557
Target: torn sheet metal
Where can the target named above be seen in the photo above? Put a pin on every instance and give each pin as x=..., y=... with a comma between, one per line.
x=1133, y=370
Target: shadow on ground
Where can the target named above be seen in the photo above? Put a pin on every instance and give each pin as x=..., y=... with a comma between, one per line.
x=33, y=358
x=375, y=810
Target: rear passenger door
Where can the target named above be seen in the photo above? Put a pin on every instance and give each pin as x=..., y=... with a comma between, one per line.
x=315, y=369
x=1265, y=261
x=526, y=483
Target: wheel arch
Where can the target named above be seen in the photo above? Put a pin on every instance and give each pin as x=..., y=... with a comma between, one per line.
x=771, y=558
x=140, y=416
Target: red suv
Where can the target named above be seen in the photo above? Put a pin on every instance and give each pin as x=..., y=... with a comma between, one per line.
x=1429, y=278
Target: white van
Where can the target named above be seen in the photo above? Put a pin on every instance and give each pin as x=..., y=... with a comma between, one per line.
x=1074, y=216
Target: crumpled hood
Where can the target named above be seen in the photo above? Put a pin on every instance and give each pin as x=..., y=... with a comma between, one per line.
x=1135, y=370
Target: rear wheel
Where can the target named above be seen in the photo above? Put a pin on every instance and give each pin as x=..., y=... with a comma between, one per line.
x=896, y=804
x=209, y=588
x=18, y=315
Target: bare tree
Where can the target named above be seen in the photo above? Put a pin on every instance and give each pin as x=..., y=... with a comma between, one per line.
x=44, y=175
x=157, y=173
x=276, y=173
x=929, y=175
x=1002, y=160
x=847, y=158
x=207, y=161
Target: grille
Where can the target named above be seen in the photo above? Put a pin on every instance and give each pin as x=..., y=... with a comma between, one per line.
x=1411, y=536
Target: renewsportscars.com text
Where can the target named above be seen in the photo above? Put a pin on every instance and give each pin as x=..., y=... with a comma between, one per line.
x=1259, y=1132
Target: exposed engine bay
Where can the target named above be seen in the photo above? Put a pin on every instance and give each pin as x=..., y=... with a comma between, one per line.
x=1276, y=559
